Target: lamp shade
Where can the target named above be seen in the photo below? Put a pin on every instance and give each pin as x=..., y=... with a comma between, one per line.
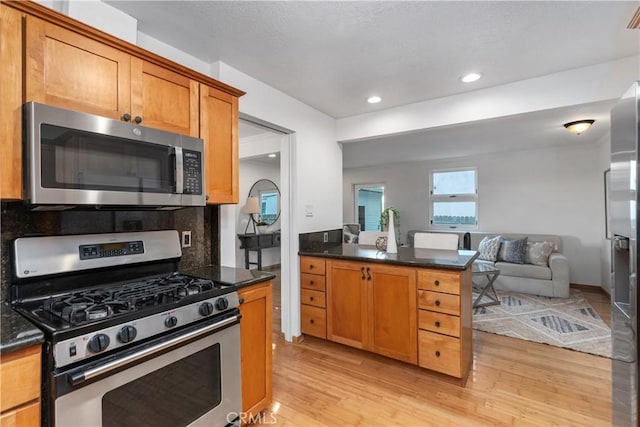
x=252, y=206
x=578, y=126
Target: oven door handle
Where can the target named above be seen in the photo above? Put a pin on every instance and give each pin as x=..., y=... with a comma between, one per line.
x=179, y=170
x=82, y=376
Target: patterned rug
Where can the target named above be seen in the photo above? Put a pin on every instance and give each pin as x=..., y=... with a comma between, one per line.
x=563, y=322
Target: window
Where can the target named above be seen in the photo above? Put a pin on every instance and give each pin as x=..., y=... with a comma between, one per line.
x=369, y=202
x=454, y=198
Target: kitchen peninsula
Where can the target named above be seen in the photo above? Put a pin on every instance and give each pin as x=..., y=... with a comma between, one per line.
x=413, y=306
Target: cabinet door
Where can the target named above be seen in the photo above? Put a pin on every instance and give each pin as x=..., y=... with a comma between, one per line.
x=76, y=72
x=255, y=347
x=10, y=103
x=392, y=312
x=347, y=303
x=164, y=99
x=219, y=129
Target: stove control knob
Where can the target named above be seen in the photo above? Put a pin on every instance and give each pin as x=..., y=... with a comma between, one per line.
x=98, y=343
x=170, y=321
x=206, y=309
x=222, y=304
x=127, y=334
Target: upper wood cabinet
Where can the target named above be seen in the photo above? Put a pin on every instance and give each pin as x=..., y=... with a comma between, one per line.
x=76, y=72
x=219, y=129
x=10, y=103
x=72, y=71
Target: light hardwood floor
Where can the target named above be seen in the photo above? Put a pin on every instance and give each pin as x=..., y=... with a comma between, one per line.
x=513, y=382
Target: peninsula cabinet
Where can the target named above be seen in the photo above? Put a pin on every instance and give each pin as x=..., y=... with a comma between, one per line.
x=74, y=66
x=255, y=346
x=373, y=307
x=20, y=388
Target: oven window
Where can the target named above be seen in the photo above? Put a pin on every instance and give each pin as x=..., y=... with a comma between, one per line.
x=175, y=395
x=74, y=159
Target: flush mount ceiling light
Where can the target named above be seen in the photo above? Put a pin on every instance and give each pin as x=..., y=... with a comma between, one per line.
x=471, y=77
x=578, y=126
x=374, y=99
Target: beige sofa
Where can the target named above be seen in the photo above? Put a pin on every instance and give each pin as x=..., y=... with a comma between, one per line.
x=551, y=281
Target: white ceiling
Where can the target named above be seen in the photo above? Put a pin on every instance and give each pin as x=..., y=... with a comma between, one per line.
x=332, y=55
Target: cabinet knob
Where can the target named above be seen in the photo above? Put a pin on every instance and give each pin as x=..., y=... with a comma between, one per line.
x=437, y=354
x=437, y=303
x=311, y=321
x=311, y=282
x=437, y=282
x=126, y=117
x=310, y=266
x=437, y=324
x=138, y=119
x=310, y=298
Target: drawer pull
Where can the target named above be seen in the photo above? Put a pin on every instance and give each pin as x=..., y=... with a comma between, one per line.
x=437, y=282
x=437, y=303
x=310, y=266
x=310, y=298
x=311, y=321
x=437, y=354
x=311, y=282
x=437, y=324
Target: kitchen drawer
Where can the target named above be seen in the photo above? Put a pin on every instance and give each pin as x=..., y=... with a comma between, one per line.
x=313, y=282
x=439, y=281
x=313, y=321
x=312, y=265
x=439, y=353
x=24, y=416
x=436, y=301
x=20, y=373
x=439, y=322
x=315, y=298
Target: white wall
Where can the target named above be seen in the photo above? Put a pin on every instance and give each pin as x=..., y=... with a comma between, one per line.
x=604, y=162
x=548, y=191
x=250, y=172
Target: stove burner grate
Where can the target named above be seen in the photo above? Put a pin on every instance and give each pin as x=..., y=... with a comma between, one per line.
x=98, y=304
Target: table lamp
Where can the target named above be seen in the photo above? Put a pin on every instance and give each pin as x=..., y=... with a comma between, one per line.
x=251, y=207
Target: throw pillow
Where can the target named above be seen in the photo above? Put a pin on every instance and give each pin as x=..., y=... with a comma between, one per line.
x=488, y=248
x=513, y=251
x=538, y=253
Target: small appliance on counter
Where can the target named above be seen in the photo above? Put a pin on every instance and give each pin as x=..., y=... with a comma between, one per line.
x=129, y=340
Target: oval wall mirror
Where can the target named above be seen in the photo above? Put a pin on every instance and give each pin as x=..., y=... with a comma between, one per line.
x=268, y=195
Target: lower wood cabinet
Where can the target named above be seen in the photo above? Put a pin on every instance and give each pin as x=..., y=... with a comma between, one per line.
x=256, y=347
x=373, y=307
x=20, y=384
x=415, y=314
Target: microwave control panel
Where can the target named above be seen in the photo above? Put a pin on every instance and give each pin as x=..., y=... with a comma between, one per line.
x=104, y=250
x=192, y=163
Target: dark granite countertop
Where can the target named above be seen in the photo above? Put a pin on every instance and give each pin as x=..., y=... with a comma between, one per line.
x=16, y=332
x=430, y=258
x=237, y=277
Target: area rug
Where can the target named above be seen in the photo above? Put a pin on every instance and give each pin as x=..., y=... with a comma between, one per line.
x=563, y=322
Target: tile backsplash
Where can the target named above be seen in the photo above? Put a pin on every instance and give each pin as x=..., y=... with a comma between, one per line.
x=19, y=220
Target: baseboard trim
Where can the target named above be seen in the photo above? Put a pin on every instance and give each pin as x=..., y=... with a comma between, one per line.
x=588, y=288
x=295, y=340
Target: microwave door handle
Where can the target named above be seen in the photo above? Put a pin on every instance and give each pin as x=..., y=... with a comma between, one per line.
x=179, y=170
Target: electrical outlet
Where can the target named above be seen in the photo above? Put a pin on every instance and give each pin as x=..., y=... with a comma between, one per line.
x=325, y=237
x=186, y=239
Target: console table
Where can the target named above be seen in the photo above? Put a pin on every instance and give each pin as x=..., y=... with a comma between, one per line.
x=257, y=242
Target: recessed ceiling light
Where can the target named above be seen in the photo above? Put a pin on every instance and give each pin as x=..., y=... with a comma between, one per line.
x=471, y=77
x=272, y=155
x=374, y=99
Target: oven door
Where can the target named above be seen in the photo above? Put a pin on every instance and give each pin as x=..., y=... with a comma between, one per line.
x=187, y=379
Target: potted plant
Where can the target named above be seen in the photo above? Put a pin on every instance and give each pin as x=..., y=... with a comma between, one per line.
x=384, y=220
x=261, y=227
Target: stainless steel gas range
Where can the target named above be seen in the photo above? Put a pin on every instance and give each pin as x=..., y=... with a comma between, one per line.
x=129, y=341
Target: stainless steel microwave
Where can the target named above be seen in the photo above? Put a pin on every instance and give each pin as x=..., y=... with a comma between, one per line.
x=74, y=158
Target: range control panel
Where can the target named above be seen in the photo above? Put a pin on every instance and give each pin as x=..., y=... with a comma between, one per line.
x=104, y=250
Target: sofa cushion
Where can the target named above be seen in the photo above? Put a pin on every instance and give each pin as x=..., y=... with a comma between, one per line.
x=538, y=253
x=488, y=248
x=524, y=270
x=513, y=251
